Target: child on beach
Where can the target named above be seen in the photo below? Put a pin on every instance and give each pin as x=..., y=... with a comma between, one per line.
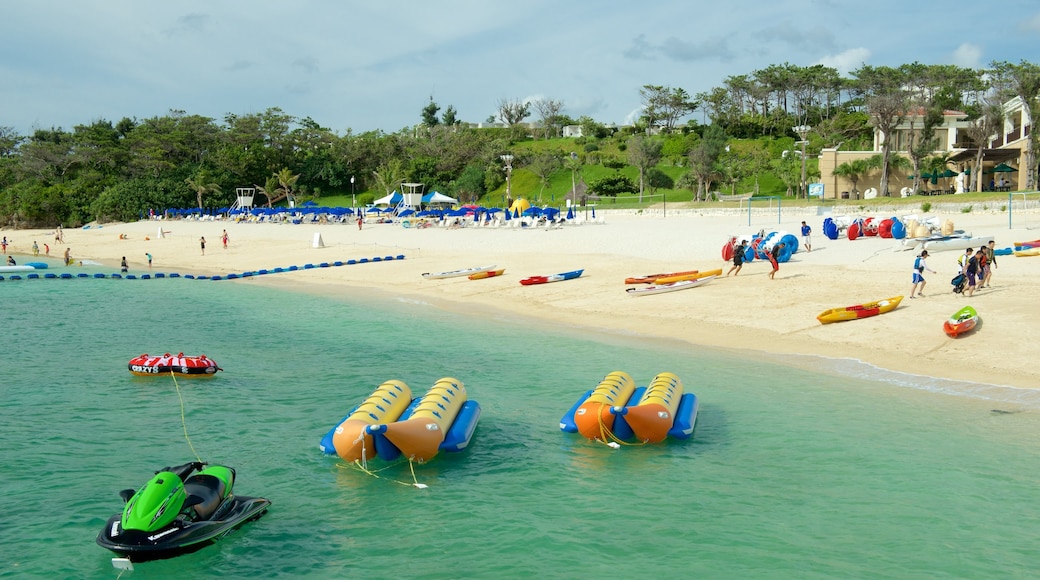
x=919, y=267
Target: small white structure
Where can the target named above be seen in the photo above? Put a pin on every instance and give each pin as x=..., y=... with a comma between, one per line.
x=318, y=242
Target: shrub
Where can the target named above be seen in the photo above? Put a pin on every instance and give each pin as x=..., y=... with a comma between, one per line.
x=966, y=209
x=926, y=207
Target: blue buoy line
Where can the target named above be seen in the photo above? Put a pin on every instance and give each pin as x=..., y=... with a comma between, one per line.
x=158, y=275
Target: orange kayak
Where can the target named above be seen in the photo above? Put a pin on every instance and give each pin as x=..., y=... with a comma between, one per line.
x=649, y=278
x=486, y=274
x=681, y=277
x=964, y=320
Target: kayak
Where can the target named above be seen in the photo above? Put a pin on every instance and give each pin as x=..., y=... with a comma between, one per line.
x=859, y=310
x=681, y=277
x=671, y=287
x=486, y=274
x=456, y=273
x=554, y=278
x=649, y=278
x=1027, y=245
x=1027, y=252
x=964, y=320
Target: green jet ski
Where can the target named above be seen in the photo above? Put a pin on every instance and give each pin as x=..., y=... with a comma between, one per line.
x=180, y=510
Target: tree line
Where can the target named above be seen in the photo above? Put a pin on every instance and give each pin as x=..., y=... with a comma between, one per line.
x=734, y=133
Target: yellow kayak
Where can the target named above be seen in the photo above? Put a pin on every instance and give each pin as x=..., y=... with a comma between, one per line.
x=859, y=310
x=683, y=277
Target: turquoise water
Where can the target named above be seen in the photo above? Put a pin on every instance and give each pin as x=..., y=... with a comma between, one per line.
x=841, y=471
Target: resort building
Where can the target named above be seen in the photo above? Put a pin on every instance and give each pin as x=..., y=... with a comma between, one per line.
x=1005, y=150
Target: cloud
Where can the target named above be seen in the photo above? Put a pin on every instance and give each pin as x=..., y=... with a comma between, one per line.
x=847, y=61
x=1031, y=24
x=814, y=39
x=306, y=64
x=640, y=49
x=684, y=51
x=677, y=49
x=967, y=55
x=192, y=22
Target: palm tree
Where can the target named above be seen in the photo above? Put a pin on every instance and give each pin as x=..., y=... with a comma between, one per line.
x=894, y=162
x=201, y=184
x=853, y=171
x=286, y=185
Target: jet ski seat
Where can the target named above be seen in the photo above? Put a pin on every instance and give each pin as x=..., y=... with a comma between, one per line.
x=205, y=492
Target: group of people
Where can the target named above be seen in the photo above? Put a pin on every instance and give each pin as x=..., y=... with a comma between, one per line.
x=738, y=258
x=975, y=265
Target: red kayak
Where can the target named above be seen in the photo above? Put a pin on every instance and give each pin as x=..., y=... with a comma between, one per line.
x=554, y=278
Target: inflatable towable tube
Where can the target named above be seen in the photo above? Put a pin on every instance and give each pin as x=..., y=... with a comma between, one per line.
x=389, y=423
x=147, y=365
x=645, y=414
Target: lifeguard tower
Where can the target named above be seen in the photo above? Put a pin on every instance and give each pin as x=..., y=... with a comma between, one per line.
x=412, y=193
x=244, y=198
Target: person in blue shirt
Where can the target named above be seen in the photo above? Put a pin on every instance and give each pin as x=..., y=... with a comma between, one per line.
x=806, y=230
x=919, y=267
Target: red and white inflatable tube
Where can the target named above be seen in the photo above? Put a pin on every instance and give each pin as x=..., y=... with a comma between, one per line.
x=186, y=366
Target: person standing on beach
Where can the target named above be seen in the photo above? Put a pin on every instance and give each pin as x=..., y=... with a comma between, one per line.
x=806, y=241
x=738, y=258
x=360, y=220
x=46, y=249
x=224, y=238
x=991, y=262
x=68, y=256
x=971, y=269
x=919, y=267
x=122, y=265
x=963, y=260
x=36, y=249
x=149, y=256
x=774, y=259
x=59, y=236
x=202, y=242
x=3, y=245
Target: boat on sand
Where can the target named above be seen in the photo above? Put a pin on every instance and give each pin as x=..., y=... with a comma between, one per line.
x=962, y=321
x=858, y=311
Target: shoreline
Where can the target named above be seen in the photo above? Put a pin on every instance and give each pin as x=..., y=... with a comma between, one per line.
x=748, y=312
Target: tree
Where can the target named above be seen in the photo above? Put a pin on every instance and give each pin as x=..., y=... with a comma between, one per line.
x=513, y=112
x=643, y=152
x=202, y=184
x=574, y=165
x=429, y=114
x=1023, y=81
x=853, y=171
x=389, y=175
x=549, y=112
x=704, y=159
x=884, y=94
x=664, y=106
x=544, y=165
x=450, y=117
x=286, y=185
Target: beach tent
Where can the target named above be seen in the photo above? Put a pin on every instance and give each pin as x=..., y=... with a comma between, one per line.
x=437, y=197
x=519, y=206
x=392, y=199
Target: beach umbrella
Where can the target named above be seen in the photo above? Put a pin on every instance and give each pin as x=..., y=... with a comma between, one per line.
x=509, y=216
x=948, y=173
x=593, y=212
x=570, y=212
x=516, y=213
x=1003, y=168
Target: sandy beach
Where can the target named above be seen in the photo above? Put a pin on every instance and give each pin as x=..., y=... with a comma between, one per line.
x=748, y=311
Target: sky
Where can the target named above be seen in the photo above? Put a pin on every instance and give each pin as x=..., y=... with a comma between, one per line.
x=366, y=66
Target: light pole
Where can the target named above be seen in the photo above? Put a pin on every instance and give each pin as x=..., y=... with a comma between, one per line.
x=508, y=160
x=353, y=199
x=803, y=132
